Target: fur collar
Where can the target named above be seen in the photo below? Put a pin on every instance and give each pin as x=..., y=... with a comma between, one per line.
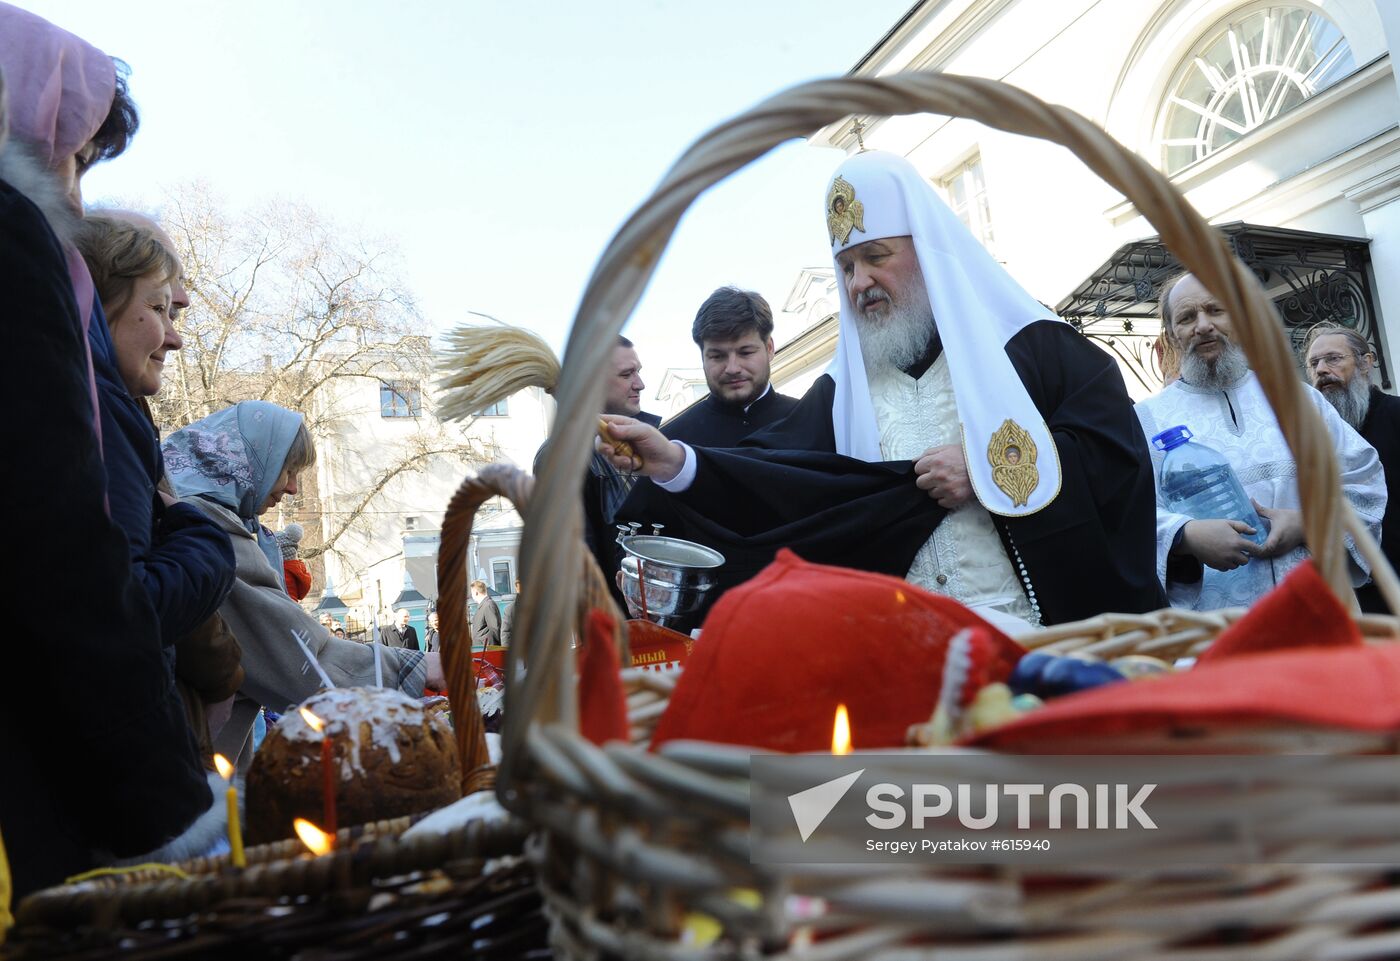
x=21, y=169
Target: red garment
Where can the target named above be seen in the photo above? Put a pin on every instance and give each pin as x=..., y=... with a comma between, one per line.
x=1295, y=658
x=297, y=577
x=1300, y=612
x=780, y=652
x=602, y=704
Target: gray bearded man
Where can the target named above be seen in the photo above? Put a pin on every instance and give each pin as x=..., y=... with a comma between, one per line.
x=1339, y=363
x=961, y=438
x=1208, y=563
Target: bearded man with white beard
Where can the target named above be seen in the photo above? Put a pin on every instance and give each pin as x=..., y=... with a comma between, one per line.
x=962, y=437
x=1207, y=564
x=1339, y=363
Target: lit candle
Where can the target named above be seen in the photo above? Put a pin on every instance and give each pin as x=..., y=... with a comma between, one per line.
x=328, y=770
x=316, y=840
x=235, y=830
x=841, y=732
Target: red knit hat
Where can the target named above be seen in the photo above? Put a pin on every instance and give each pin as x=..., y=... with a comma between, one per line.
x=779, y=653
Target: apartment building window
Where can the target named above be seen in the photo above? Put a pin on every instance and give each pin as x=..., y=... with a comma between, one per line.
x=965, y=189
x=498, y=409
x=400, y=398
x=500, y=577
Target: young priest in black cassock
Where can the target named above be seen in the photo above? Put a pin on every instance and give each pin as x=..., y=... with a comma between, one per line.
x=992, y=456
x=734, y=331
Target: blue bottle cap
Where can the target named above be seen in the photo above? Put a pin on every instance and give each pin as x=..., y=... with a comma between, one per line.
x=1172, y=437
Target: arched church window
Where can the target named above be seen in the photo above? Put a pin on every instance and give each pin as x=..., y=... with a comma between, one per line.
x=1258, y=64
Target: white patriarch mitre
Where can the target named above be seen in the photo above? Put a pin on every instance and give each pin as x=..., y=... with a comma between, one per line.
x=1011, y=458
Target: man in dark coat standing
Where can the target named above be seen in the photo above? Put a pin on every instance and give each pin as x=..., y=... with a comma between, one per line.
x=486, y=622
x=734, y=331
x=1339, y=363
x=508, y=618
x=604, y=486
x=961, y=438
x=399, y=633
x=432, y=640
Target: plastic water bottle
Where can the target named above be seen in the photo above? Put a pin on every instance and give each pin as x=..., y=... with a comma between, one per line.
x=1199, y=482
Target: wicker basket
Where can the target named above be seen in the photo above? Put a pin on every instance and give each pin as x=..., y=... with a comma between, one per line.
x=631, y=843
x=370, y=895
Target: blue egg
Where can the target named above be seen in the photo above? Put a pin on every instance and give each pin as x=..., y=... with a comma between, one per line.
x=1049, y=675
x=1025, y=678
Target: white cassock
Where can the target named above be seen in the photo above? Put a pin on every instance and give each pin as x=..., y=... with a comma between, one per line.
x=1238, y=423
x=964, y=559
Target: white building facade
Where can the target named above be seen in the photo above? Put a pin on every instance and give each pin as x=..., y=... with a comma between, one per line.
x=385, y=471
x=1279, y=122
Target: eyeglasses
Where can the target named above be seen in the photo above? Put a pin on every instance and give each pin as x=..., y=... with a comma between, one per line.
x=1328, y=360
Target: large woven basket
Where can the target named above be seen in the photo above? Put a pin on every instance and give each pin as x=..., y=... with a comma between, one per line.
x=371, y=895
x=631, y=842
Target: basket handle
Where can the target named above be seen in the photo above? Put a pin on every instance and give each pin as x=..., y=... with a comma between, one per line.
x=630, y=259
x=496, y=480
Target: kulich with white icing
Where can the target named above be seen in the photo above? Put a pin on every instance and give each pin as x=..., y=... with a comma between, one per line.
x=391, y=757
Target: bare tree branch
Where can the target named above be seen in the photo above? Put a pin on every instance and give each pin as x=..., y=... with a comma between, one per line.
x=287, y=307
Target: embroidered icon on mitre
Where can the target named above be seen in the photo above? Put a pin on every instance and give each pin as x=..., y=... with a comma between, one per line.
x=1012, y=455
x=843, y=211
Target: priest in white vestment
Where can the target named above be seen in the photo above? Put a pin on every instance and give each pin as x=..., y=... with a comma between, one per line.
x=1016, y=481
x=1207, y=564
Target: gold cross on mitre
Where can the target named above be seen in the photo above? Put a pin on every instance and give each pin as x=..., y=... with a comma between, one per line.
x=858, y=128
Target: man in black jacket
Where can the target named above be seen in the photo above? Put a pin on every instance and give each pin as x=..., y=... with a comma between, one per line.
x=1339, y=363
x=604, y=486
x=734, y=331
x=486, y=622
x=399, y=633
x=432, y=640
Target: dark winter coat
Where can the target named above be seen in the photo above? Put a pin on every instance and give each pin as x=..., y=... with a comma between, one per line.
x=121, y=727
x=184, y=560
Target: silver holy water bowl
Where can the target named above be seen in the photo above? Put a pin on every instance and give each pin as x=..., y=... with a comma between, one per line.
x=665, y=579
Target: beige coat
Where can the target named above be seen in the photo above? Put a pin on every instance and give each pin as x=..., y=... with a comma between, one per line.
x=263, y=618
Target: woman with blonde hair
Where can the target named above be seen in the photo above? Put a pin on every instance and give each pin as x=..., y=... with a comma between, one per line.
x=236, y=465
x=64, y=106
x=183, y=558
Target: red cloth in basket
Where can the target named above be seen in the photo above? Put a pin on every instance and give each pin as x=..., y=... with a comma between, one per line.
x=602, y=703
x=1296, y=657
x=780, y=652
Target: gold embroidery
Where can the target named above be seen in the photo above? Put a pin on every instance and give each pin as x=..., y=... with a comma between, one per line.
x=1012, y=455
x=843, y=211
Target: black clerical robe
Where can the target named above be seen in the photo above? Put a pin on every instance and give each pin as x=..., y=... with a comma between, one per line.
x=710, y=422
x=1091, y=550
x=1381, y=429
x=604, y=491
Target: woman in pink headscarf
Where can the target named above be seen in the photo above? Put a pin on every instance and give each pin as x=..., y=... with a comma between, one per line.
x=114, y=770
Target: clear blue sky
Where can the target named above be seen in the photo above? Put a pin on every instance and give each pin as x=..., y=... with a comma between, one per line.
x=497, y=144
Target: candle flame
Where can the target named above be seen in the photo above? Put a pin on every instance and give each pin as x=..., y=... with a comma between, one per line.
x=316, y=723
x=225, y=768
x=318, y=841
x=841, y=732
